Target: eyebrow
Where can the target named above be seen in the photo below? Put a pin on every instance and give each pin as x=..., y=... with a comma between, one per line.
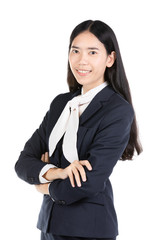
x=90, y=48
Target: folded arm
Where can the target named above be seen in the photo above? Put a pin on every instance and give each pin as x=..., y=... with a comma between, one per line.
x=29, y=164
x=106, y=149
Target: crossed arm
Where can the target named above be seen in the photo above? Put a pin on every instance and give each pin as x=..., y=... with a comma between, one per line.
x=74, y=170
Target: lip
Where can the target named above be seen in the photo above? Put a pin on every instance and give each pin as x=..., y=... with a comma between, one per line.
x=83, y=72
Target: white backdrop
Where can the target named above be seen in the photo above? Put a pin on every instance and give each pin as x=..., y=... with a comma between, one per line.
x=34, y=37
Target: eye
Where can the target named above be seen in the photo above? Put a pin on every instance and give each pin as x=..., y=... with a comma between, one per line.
x=93, y=53
x=75, y=51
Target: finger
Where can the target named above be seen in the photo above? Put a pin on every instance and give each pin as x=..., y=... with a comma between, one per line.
x=86, y=163
x=77, y=177
x=82, y=172
x=42, y=157
x=70, y=175
x=46, y=157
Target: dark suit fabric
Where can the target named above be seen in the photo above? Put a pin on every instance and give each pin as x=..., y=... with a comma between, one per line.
x=49, y=236
x=104, y=131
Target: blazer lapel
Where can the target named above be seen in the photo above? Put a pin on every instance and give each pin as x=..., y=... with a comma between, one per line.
x=96, y=104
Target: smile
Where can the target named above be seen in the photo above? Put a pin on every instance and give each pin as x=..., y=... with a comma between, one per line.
x=83, y=72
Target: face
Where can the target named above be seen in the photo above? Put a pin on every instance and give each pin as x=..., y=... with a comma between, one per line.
x=88, y=60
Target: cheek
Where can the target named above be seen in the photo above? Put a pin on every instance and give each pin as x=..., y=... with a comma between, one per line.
x=101, y=60
x=100, y=65
x=70, y=62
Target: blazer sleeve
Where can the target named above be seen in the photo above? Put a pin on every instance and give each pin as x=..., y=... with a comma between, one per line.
x=104, y=152
x=29, y=163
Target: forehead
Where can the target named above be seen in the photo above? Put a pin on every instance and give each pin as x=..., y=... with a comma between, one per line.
x=86, y=40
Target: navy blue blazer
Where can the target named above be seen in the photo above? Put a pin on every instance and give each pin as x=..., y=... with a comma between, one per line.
x=104, y=131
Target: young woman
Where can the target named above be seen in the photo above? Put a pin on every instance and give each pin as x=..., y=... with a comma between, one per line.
x=85, y=132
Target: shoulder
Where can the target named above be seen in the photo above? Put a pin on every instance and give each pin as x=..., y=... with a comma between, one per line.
x=60, y=100
x=117, y=116
x=121, y=104
x=118, y=108
x=56, y=107
x=62, y=97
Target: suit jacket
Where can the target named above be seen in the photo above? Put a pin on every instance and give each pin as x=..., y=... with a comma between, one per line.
x=104, y=131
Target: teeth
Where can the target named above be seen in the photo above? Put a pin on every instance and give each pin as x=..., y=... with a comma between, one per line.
x=82, y=71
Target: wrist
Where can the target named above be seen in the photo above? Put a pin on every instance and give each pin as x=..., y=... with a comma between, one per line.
x=60, y=173
x=50, y=174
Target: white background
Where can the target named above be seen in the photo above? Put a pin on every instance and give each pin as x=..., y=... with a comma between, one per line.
x=34, y=37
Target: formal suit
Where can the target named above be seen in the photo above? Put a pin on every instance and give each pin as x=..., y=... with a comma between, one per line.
x=103, y=133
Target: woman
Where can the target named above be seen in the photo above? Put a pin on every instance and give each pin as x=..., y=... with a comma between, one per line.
x=86, y=131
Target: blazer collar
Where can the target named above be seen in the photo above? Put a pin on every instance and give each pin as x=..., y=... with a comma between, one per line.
x=96, y=103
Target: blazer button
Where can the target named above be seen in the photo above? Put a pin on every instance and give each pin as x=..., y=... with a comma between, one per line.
x=61, y=202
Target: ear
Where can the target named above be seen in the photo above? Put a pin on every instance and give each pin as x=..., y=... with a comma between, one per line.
x=111, y=59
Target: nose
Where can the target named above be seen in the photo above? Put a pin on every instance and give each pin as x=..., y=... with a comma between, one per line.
x=83, y=59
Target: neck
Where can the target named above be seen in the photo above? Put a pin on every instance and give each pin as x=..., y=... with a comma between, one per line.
x=86, y=89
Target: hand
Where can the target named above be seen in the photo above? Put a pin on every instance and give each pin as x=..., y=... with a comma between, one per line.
x=52, y=173
x=45, y=157
x=42, y=188
x=76, y=169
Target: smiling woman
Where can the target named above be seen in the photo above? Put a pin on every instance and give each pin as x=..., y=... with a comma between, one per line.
x=71, y=156
x=88, y=60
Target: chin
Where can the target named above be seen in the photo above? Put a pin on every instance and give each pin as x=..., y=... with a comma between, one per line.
x=82, y=82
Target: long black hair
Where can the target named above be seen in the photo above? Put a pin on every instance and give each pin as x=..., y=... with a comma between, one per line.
x=115, y=75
